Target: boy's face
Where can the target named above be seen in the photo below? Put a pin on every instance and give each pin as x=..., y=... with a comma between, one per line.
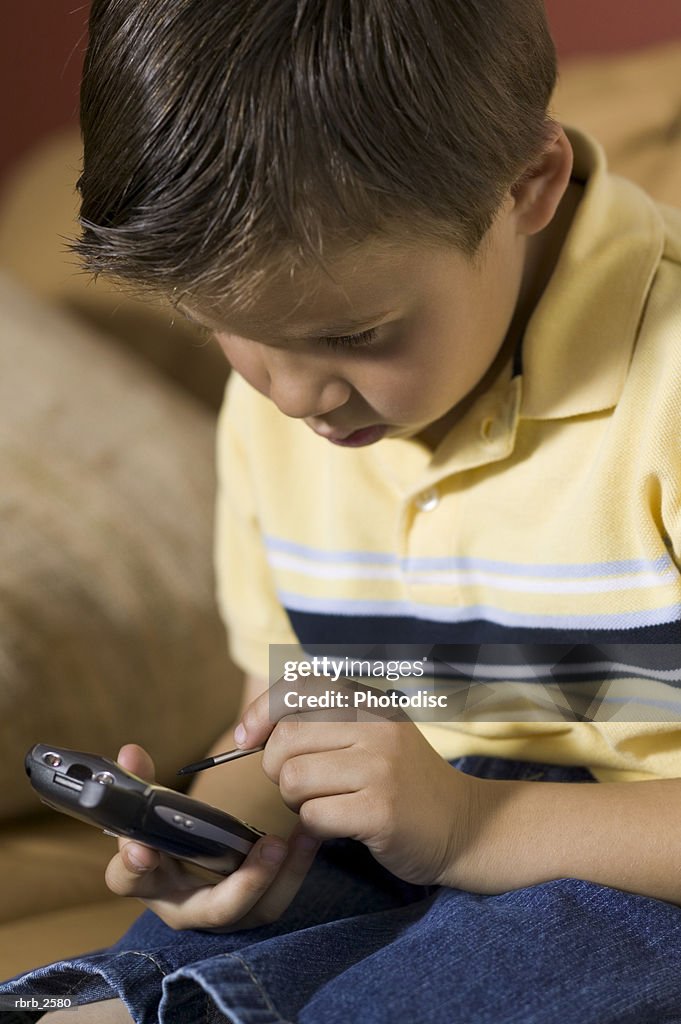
x=440, y=320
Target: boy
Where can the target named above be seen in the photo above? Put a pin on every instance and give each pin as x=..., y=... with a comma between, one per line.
x=473, y=334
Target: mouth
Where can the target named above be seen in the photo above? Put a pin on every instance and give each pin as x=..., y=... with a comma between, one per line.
x=358, y=438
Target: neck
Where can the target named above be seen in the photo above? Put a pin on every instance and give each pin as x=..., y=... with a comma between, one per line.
x=541, y=257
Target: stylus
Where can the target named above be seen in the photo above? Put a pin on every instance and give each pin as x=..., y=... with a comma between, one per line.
x=210, y=762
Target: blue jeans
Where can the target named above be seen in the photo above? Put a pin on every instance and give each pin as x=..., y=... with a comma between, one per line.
x=360, y=945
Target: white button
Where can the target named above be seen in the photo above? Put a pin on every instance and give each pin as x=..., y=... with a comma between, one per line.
x=426, y=501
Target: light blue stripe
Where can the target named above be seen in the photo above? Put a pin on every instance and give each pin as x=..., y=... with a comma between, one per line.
x=663, y=564
x=588, y=569
x=318, y=555
x=469, y=613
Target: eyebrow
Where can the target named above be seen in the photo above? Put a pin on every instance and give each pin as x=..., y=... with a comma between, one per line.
x=346, y=326
x=351, y=324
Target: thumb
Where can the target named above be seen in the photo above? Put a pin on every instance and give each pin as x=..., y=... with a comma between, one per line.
x=135, y=759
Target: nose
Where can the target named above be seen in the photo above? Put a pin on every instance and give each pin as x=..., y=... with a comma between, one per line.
x=305, y=388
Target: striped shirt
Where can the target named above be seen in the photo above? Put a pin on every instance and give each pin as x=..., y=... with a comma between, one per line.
x=549, y=515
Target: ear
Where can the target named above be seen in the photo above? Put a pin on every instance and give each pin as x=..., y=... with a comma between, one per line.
x=538, y=191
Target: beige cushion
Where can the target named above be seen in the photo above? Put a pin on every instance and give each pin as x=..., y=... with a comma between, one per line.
x=632, y=105
x=108, y=625
x=58, y=935
x=49, y=862
x=38, y=209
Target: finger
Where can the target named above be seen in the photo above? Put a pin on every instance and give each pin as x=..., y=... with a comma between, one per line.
x=135, y=759
x=223, y=905
x=285, y=699
x=161, y=874
x=137, y=870
x=302, y=734
x=302, y=849
x=136, y=857
x=329, y=773
x=256, y=723
x=346, y=815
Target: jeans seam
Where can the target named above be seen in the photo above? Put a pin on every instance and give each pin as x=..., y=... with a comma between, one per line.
x=85, y=979
x=261, y=989
x=211, y=1010
x=81, y=982
x=146, y=956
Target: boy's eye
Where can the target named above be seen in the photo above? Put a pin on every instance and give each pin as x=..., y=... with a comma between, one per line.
x=351, y=340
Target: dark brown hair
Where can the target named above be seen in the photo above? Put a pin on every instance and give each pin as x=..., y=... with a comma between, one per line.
x=225, y=138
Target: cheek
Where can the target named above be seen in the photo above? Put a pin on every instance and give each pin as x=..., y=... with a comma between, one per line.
x=244, y=358
x=438, y=362
x=401, y=388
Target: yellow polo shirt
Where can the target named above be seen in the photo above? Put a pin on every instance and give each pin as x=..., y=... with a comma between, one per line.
x=550, y=514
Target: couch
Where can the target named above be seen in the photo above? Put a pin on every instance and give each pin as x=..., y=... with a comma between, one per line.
x=108, y=625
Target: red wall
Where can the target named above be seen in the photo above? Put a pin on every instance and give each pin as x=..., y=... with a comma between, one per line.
x=42, y=43
x=608, y=26
x=41, y=56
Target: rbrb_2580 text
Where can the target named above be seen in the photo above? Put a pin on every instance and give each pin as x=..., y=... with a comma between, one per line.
x=36, y=1002
x=363, y=699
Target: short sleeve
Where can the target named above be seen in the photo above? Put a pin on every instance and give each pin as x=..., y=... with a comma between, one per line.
x=247, y=598
x=666, y=386
x=636, y=750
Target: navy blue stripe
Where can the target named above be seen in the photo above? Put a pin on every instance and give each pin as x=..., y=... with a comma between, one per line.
x=345, y=629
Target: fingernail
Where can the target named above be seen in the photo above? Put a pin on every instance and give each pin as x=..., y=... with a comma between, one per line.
x=273, y=853
x=239, y=735
x=135, y=859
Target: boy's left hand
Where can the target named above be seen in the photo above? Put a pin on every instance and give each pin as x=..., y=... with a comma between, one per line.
x=377, y=780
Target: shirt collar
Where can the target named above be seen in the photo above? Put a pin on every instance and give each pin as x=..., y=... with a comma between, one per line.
x=578, y=342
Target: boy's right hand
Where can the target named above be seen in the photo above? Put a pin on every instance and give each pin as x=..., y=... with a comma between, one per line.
x=257, y=893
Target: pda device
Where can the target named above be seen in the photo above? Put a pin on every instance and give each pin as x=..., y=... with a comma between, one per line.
x=102, y=793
